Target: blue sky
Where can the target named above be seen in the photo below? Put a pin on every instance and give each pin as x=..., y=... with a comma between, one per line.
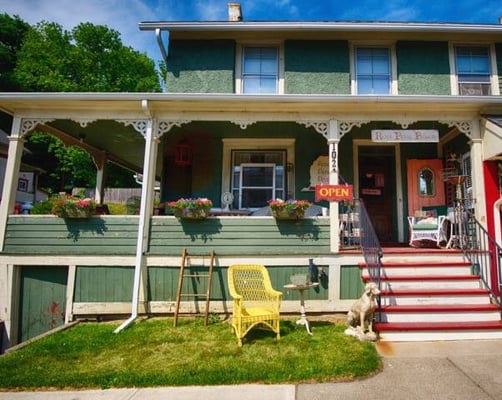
x=124, y=15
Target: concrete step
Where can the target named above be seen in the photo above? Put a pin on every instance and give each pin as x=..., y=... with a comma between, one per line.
x=440, y=313
x=396, y=282
x=434, y=297
x=422, y=269
x=419, y=331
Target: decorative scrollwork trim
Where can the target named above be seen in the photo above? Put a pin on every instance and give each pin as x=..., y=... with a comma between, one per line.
x=243, y=123
x=462, y=125
x=28, y=124
x=139, y=125
x=321, y=127
x=347, y=125
x=166, y=126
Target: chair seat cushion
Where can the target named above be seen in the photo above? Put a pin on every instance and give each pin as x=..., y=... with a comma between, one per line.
x=425, y=227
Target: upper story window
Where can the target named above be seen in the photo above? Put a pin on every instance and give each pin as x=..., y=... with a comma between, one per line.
x=473, y=70
x=258, y=69
x=373, y=70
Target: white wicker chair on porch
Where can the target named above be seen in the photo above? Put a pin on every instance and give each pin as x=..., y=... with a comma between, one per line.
x=431, y=229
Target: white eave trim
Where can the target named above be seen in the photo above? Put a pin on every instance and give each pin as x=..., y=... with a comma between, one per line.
x=320, y=26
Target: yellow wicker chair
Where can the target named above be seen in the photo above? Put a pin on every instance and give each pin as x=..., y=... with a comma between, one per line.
x=255, y=301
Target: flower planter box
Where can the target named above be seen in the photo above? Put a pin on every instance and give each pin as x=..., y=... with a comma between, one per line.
x=285, y=215
x=76, y=214
x=191, y=214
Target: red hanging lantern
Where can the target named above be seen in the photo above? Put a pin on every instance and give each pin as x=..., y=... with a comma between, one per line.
x=183, y=154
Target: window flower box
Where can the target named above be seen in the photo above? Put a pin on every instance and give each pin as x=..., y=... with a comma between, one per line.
x=190, y=208
x=290, y=209
x=73, y=207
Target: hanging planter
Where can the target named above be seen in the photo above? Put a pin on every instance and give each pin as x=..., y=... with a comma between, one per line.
x=288, y=210
x=191, y=208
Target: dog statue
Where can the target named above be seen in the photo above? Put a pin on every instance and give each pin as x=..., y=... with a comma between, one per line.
x=361, y=314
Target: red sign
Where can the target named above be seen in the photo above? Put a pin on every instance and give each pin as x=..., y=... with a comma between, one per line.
x=334, y=192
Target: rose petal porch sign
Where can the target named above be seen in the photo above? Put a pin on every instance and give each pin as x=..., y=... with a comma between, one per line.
x=334, y=192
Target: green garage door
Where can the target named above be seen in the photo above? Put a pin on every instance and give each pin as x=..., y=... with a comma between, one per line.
x=42, y=300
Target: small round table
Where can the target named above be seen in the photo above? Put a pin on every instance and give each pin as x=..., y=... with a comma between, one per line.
x=301, y=288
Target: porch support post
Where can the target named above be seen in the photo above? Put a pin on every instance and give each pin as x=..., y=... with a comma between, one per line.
x=16, y=144
x=100, y=178
x=147, y=193
x=333, y=140
x=477, y=176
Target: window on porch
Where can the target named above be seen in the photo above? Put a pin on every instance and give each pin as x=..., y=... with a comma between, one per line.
x=257, y=176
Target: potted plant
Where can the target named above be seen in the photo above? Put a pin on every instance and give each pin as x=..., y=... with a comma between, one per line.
x=190, y=208
x=289, y=209
x=73, y=207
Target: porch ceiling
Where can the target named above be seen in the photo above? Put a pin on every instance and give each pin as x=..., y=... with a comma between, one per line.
x=125, y=146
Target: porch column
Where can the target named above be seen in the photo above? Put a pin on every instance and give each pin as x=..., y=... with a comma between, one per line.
x=100, y=163
x=16, y=145
x=333, y=140
x=477, y=176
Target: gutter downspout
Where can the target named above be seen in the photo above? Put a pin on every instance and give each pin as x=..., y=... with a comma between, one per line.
x=160, y=42
x=147, y=190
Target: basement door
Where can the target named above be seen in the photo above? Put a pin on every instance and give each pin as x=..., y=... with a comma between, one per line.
x=377, y=189
x=42, y=300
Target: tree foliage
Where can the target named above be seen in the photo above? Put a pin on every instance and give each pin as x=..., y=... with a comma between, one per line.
x=12, y=33
x=90, y=58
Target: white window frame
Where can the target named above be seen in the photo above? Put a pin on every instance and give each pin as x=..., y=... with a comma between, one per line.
x=230, y=144
x=391, y=46
x=238, y=64
x=494, y=80
x=259, y=165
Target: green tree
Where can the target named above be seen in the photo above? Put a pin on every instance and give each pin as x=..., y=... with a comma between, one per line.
x=12, y=33
x=90, y=58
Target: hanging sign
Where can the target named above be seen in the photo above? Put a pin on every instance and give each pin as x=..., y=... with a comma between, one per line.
x=334, y=192
x=405, y=135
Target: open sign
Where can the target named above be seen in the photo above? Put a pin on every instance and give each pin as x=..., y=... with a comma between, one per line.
x=334, y=192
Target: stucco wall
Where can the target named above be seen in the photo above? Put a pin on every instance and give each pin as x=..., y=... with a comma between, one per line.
x=423, y=68
x=196, y=66
x=316, y=67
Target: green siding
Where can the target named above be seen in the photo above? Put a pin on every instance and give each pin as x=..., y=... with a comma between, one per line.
x=42, y=300
x=423, y=68
x=112, y=235
x=316, y=67
x=351, y=284
x=163, y=283
x=240, y=236
x=51, y=235
x=196, y=66
x=103, y=284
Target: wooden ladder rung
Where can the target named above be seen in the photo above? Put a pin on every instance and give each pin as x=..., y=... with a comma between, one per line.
x=182, y=276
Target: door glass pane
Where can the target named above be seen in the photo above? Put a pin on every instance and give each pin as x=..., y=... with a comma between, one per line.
x=257, y=176
x=426, y=182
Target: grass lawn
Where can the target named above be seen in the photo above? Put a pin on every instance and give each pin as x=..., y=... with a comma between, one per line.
x=153, y=353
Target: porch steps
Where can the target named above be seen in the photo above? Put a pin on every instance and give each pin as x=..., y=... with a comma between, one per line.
x=433, y=299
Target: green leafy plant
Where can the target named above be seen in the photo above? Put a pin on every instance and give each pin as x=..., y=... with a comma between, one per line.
x=190, y=208
x=73, y=207
x=289, y=208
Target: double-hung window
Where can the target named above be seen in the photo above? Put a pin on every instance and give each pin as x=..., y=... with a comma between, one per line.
x=373, y=70
x=260, y=70
x=473, y=70
x=257, y=176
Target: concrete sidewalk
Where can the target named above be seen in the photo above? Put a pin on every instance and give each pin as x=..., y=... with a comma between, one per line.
x=456, y=370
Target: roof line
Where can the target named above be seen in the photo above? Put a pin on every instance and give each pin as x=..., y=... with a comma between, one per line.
x=318, y=26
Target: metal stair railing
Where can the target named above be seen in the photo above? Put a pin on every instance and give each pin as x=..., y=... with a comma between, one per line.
x=370, y=245
x=481, y=250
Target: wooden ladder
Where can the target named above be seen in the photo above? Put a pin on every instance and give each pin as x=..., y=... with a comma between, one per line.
x=184, y=268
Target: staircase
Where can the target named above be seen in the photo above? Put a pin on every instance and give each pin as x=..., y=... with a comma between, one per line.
x=433, y=295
